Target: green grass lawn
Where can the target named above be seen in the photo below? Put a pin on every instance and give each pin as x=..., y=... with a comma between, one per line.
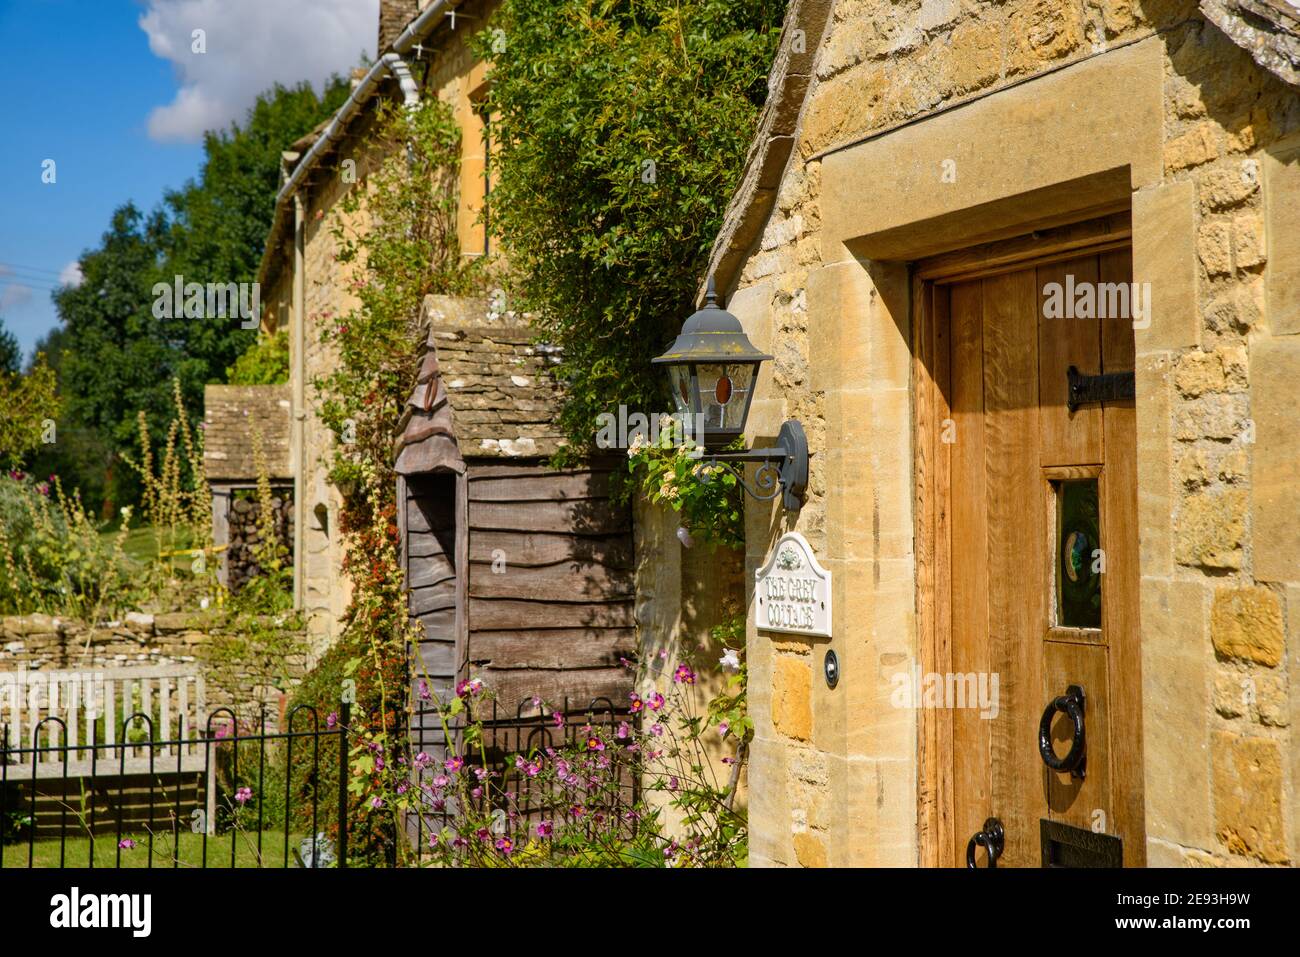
x=77, y=851
x=141, y=546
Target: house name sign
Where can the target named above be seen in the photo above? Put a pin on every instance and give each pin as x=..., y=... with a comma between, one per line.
x=794, y=591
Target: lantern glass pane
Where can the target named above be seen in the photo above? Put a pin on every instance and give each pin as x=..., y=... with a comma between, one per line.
x=724, y=395
x=679, y=378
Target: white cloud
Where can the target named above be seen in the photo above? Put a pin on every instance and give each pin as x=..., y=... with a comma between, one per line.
x=14, y=294
x=70, y=275
x=250, y=44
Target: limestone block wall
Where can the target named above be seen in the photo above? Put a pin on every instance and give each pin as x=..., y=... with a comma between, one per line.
x=44, y=643
x=1029, y=95
x=681, y=595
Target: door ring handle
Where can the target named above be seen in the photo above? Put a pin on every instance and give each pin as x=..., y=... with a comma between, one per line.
x=992, y=838
x=1071, y=703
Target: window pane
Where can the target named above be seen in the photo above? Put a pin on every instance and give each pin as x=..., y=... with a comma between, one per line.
x=1078, y=555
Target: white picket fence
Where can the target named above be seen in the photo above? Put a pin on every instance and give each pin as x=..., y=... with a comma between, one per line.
x=95, y=706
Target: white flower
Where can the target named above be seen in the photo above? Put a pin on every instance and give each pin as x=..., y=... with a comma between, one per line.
x=730, y=659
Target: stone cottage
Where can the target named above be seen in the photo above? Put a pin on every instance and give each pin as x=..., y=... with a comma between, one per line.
x=423, y=51
x=1029, y=273
x=518, y=573
x=235, y=418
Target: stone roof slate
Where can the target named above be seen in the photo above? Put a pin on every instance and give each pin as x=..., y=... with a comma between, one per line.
x=482, y=391
x=230, y=414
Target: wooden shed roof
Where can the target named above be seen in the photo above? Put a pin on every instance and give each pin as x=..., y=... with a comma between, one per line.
x=230, y=415
x=481, y=392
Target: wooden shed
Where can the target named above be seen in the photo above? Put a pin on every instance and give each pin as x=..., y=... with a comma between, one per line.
x=522, y=575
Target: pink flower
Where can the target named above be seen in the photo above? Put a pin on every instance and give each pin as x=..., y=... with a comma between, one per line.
x=637, y=703
x=470, y=686
x=684, y=675
x=424, y=690
x=558, y=719
x=656, y=701
x=244, y=795
x=483, y=834
x=673, y=783
x=454, y=764
x=441, y=781
x=433, y=840
x=376, y=802
x=657, y=730
x=545, y=829
x=723, y=727
x=332, y=719
x=623, y=730
x=422, y=759
x=126, y=844
x=505, y=846
x=595, y=744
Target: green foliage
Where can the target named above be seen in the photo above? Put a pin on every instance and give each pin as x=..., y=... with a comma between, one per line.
x=408, y=246
x=404, y=250
x=11, y=356
x=571, y=804
x=28, y=402
x=708, y=496
x=265, y=362
x=53, y=558
x=56, y=557
x=621, y=128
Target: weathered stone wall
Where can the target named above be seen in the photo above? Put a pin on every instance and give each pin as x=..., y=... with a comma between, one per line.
x=1208, y=142
x=681, y=595
x=245, y=534
x=44, y=643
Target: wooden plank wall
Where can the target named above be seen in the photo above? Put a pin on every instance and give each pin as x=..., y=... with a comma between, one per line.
x=550, y=597
x=432, y=588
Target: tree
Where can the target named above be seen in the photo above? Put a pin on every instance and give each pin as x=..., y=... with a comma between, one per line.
x=11, y=356
x=621, y=128
x=115, y=356
x=218, y=223
x=30, y=402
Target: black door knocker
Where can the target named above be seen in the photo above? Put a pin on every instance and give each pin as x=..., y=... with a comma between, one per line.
x=992, y=838
x=1071, y=703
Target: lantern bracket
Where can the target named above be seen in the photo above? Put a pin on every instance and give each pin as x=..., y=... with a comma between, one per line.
x=782, y=469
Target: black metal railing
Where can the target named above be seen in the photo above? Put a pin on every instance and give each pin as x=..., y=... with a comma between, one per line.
x=146, y=801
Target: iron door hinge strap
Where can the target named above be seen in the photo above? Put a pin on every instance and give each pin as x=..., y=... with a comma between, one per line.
x=1107, y=387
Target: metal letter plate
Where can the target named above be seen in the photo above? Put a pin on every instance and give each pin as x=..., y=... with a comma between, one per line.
x=1066, y=846
x=1107, y=387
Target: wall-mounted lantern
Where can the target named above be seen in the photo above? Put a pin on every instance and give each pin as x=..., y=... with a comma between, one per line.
x=712, y=368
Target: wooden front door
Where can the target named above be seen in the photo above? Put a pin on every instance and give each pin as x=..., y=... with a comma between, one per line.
x=1036, y=564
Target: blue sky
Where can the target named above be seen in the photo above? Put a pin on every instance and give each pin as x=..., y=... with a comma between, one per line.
x=110, y=90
